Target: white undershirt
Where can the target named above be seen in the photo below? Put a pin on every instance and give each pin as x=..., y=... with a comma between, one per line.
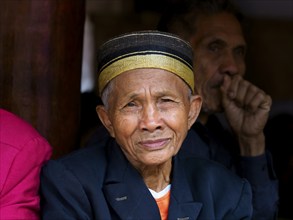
x=160, y=194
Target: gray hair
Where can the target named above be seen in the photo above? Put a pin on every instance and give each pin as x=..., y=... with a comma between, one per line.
x=105, y=96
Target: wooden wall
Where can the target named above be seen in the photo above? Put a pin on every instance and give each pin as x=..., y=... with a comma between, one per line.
x=40, y=65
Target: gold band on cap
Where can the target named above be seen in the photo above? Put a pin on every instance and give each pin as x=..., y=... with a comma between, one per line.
x=159, y=61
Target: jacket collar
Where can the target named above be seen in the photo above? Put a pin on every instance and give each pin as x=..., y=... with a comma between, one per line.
x=182, y=203
x=128, y=195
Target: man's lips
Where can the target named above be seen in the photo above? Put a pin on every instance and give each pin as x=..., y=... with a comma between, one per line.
x=154, y=144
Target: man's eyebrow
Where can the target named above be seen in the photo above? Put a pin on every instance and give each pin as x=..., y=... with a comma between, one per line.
x=216, y=41
x=219, y=41
x=241, y=46
x=132, y=95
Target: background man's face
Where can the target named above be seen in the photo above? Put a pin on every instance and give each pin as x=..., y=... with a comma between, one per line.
x=220, y=49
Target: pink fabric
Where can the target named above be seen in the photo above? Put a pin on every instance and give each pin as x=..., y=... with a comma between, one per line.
x=23, y=151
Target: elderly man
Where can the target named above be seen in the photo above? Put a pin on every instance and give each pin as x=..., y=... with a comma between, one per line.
x=149, y=103
x=214, y=29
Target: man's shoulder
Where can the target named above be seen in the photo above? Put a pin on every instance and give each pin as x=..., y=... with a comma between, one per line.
x=90, y=155
x=194, y=145
x=88, y=162
x=200, y=169
x=212, y=183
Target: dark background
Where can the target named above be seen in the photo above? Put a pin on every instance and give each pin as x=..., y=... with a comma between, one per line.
x=41, y=45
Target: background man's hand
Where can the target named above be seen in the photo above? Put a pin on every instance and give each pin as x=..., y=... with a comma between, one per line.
x=247, y=109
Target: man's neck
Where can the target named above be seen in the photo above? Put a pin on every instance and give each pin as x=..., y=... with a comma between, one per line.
x=158, y=177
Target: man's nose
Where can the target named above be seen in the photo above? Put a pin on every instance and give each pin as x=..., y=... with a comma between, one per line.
x=150, y=119
x=229, y=64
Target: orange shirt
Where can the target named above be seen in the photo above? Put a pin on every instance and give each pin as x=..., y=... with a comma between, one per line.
x=163, y=204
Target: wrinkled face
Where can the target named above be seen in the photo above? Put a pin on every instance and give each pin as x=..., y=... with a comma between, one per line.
x=219, y=48
x=149, y=114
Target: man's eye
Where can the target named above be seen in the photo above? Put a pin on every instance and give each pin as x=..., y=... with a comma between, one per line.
x=130, y=104
x=214, y=47
x=167, y=100
x=240, y=51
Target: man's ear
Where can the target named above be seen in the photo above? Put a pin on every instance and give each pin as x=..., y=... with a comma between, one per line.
x=104, y=117
x=195, y=107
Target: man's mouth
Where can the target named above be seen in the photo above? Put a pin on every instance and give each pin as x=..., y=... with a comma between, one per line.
x=155, y=144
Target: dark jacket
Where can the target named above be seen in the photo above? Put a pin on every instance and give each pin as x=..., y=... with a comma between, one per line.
x=215, y=142
x=99, y=183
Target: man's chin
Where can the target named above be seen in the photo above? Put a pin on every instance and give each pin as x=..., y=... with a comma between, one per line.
x=211, y=109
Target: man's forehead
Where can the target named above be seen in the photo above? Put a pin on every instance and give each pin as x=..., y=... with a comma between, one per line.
x=219, y=27
x=225, y=39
